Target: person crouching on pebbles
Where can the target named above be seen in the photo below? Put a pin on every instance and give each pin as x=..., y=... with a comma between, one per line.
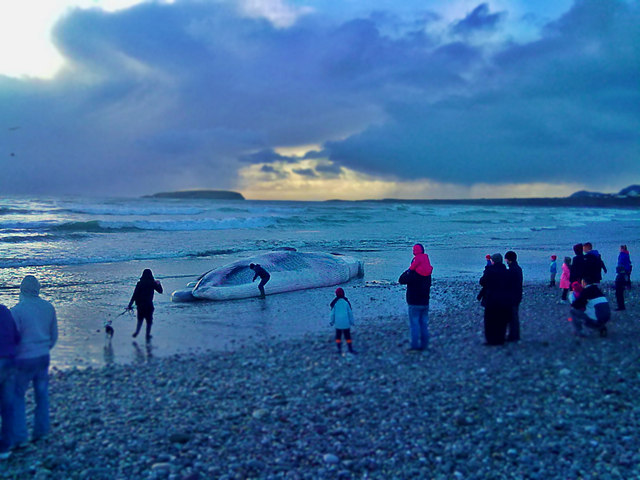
x=143, y=298
x=263, y=274
x=342, y=319
x=591, y=308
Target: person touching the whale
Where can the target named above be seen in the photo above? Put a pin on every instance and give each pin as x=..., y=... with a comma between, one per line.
x=263, y=274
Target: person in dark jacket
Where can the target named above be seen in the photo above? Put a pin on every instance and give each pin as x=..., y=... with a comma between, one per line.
x=624, y=260
x=418, y=292
x=621, y=284
x=577, y=264
x=143, y=298
x=515, y=273
x=9, y=339
x=497, y=300
x=593, y=264
x=263, y=274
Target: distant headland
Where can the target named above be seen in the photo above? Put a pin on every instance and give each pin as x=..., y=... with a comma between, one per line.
x=199, y=195
x=627, y=197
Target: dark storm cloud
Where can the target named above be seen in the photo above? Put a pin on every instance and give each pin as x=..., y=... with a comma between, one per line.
x=479, y=19
x=563, y=108
x=273, y=172
x=305, y=172
x=329, y=169
x=182, y=95
x=267, y=156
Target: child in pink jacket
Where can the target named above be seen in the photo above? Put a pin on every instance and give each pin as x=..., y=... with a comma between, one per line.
x=420, y=263
x=565, y=283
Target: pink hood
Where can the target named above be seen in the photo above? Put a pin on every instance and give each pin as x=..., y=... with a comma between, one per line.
x=420, y=263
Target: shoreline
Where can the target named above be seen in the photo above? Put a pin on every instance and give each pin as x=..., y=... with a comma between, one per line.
x=551, y=406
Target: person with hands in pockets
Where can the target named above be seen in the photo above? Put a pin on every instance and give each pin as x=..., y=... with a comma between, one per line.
x=342, y=319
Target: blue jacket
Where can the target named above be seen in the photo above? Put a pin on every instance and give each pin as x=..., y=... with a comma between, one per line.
x=341, y=314
x=624, y=260
x=9, y=335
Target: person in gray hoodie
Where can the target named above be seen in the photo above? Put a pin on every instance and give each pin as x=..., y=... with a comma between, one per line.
x=9, y=339
x=38, y=326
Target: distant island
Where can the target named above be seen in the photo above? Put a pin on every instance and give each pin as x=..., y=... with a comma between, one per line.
x=199, y=195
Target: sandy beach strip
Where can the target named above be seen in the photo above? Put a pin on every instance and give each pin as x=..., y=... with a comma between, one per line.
x=551, y=406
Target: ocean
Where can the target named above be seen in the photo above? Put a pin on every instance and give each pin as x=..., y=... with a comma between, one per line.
x=88, y=254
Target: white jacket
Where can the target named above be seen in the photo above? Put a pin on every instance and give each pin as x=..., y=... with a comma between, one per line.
x=341, y=314
x=36, y=321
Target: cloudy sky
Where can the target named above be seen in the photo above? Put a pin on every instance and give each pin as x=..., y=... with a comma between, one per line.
x=319, y=99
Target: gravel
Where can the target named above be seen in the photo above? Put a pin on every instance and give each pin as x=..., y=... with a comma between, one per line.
x=550, y=406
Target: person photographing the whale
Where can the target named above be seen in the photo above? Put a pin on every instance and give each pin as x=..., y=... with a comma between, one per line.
x=264, y=277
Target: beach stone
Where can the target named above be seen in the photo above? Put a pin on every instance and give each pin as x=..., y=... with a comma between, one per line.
x=179, y=437
x=330, y=459
x=259, y=413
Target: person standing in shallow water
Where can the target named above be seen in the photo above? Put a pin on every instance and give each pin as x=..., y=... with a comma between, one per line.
x=497, y=301
x=143, y=298
x=38, y=328
x=263, y=274
x=418, y=281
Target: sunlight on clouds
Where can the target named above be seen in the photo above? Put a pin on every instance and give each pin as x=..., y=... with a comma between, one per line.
x=285, y=184
x=278, y=12
x=298, y=150
x=25, y=33
x=281, y=182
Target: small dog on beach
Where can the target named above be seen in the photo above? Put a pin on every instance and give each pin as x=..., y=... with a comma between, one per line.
x=108, y=329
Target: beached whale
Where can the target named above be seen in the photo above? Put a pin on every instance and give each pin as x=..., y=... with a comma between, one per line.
x=290, y=270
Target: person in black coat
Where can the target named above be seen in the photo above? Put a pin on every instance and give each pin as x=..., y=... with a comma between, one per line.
x=497, y=300
x=263, y=274
x=576, y=271
x=593, y=264
x=143, y=298
x=515, y=272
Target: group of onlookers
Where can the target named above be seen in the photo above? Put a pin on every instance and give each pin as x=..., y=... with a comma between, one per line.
x=27, y=333
x=582, y=275
x=501, y=295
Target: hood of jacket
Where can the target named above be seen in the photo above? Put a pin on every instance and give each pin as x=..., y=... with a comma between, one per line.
x=30, y=287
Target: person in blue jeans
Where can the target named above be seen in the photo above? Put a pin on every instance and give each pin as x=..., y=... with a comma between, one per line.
x=418, y=291
x=38, y=327
x=9, y=339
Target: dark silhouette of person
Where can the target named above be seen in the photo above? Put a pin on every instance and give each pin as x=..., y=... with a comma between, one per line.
x=515, y=272
x=593, y=264
x=497, y=300
x=143, y=298
x=264, y=277
x=576, y=271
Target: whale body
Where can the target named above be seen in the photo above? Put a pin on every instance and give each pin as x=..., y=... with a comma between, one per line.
x=289, y=270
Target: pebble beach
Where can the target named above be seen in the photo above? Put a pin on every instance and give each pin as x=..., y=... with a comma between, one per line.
x=551, y=406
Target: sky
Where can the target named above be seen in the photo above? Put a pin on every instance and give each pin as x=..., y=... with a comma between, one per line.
x=320, y=99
